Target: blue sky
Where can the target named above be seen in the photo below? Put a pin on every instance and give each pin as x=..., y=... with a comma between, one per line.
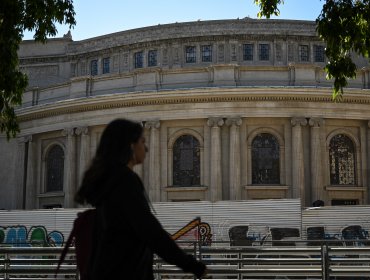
x=99, y=17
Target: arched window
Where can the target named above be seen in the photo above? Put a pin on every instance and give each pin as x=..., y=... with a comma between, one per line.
x=265, y=159
x=342, y=160
x=54, y=169
x=186, y=161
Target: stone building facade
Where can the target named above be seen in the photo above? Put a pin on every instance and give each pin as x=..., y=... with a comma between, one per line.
x=231, y=109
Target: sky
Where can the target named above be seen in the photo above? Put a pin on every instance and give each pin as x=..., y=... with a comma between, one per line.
x=99, y=17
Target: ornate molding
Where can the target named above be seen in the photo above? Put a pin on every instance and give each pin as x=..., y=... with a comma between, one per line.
x=24, y=139
x=135, y=100
x=153, y=124
x=300, y=121
x=215, y=122
x=237, y=121
x=316, y=122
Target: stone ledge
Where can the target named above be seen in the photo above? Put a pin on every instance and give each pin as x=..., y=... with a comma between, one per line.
x=185, y=189
x=266, y=187
x=345, y=188
x=51, y=194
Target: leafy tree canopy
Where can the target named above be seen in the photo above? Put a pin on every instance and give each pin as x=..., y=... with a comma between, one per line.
x=345, y=27
x=16, y=16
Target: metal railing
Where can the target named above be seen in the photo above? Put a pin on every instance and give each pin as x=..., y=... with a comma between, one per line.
x=224, y=262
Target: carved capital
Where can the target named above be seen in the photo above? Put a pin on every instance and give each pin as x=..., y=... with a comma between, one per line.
x=298, y=121
x=82, y=130
x=215, y=122
x=316, y=122
x=24, y=139
x=153, y=124
x=68, y=131
x=234, y=121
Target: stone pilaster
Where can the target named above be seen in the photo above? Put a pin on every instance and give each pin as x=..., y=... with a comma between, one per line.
x=69, y=167
x=234, y=158
x=316, y=163
x=84, y=153
x=297, y=159
x=154, y=160
x=215, y=160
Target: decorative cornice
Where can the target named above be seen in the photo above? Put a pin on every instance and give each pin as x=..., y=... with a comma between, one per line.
x=208, y=95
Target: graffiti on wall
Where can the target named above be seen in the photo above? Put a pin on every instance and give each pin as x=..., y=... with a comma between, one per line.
x=195, y=230
x=36, y=236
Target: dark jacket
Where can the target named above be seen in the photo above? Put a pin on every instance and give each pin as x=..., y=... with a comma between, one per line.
x=127, y=233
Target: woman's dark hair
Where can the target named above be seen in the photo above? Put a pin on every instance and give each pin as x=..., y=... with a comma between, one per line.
x=114, y=151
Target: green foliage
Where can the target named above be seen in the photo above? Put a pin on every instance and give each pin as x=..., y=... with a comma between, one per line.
x=345, y=27
x=268, y=7
x=16, y=16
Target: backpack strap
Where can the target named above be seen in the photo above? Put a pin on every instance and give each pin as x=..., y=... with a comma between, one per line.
x=65, y=251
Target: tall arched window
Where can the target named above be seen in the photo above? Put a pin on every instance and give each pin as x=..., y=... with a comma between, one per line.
x=265, y=159
x=54, y=169
x=186, y=161
x=342, y=160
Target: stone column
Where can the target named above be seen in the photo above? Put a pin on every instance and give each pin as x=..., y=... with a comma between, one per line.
x=154, y=161
x=215, y=170
x=234, y=158
x=297, y=159
x=84, y=155
x=316, y=175
x=22, y=166
x=69, y=167
x=31, y=192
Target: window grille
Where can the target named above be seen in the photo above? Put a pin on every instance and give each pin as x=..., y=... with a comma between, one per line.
x=94, y=68
x=207, y=53
x=152, y=58
x=186, y=161
x=106, y=65
x=264, y=52
x=138, y=59
x=303, y=53
x=248, y=52
x=265, y=159
x=342, y=161
x=319, y=53
x=190, y=54
x=54, y=169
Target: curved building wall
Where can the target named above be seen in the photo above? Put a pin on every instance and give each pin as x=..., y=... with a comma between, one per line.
x=226, y=84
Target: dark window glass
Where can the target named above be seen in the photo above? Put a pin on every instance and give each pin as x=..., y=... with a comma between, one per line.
x=342, y=160
x=264, y=51
x=138, y=58
x=94, y=67
x=265, y=159
x=319, y=53
x=186, y=161
x=106, y=62
x=190, y=54
x=248, y=52
x=207, y=53
x=152, y=58
x=54, y=169
x=303, y=52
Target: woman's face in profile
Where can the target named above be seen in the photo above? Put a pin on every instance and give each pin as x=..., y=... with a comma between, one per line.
x=139, y=148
